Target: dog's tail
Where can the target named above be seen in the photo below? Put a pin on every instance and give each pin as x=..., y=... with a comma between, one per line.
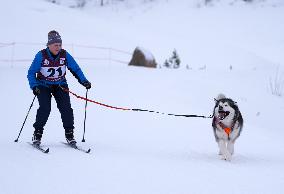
x=220, y=96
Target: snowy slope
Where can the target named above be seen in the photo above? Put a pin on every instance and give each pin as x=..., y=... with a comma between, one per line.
x=145, y=153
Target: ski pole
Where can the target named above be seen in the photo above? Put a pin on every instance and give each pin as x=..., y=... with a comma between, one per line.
x=83, y=140
x=16, y=140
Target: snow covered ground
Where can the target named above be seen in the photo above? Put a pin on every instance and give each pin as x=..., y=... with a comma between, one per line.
x=145, y=153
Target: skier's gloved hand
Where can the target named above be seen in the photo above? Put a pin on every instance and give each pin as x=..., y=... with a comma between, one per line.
x=36, y=90
x=87, y=85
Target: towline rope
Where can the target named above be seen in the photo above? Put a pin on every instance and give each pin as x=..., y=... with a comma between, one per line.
x=129, y=109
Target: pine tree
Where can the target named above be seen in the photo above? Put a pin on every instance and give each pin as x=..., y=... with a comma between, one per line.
x=173, y=61
x=176, y=60
x=167, y=64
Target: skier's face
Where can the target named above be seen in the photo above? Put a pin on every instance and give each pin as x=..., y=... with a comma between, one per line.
x=55, y=48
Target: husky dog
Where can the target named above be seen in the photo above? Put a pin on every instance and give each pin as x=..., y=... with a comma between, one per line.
x=227, y=125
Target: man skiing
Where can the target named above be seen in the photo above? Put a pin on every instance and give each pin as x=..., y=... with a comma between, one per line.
x=46, y=77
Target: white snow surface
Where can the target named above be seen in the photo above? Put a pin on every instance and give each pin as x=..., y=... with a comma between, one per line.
x=139, y=152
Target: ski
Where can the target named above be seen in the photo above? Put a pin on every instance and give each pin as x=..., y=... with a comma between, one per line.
x=40, y=148
x=77, y=147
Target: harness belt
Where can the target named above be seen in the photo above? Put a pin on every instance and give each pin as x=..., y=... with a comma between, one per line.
x=225, y=128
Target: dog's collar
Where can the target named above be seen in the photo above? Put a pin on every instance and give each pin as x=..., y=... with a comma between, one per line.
x=226, y=129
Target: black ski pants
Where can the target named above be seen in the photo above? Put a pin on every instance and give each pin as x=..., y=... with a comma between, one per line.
x=62, y=99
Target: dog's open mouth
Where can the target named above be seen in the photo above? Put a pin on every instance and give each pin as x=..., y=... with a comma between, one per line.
x=222, y=114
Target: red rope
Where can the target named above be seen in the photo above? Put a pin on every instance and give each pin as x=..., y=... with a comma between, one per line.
x=93, y=101
x=128, y=109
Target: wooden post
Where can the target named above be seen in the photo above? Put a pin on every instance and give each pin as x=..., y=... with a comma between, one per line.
x=13, y=54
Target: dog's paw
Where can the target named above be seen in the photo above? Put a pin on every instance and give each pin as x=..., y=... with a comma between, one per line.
x=227, y=157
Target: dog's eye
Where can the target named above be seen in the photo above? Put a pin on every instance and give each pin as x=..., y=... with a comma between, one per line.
x=226, y=104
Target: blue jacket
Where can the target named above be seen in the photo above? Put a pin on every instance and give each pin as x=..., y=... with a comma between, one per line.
x=36, y=66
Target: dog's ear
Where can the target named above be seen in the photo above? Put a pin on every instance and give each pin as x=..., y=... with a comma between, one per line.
x=215, y=100
x=236, y=105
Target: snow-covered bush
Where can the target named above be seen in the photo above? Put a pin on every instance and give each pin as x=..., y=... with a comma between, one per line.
x=82, y=3
x=70, y=3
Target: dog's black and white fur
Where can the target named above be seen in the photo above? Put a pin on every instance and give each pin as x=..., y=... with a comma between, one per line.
x=226, y=115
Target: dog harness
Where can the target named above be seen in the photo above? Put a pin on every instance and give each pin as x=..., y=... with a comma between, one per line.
x=52, y=70
x=227, y=130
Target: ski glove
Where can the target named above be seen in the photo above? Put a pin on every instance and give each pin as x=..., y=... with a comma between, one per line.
x=36, y=90
x=87, y=85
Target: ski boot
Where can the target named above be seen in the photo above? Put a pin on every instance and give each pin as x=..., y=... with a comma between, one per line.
x=37, y=137
x=69, y=134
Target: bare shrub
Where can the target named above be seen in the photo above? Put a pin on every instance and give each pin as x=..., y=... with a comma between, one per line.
x=277, y=83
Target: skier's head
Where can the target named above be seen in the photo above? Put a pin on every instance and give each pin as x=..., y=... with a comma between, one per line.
x=53, y=37
x=54, y=42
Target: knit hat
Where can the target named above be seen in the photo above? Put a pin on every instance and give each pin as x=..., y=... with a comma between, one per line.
x=53, y=37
